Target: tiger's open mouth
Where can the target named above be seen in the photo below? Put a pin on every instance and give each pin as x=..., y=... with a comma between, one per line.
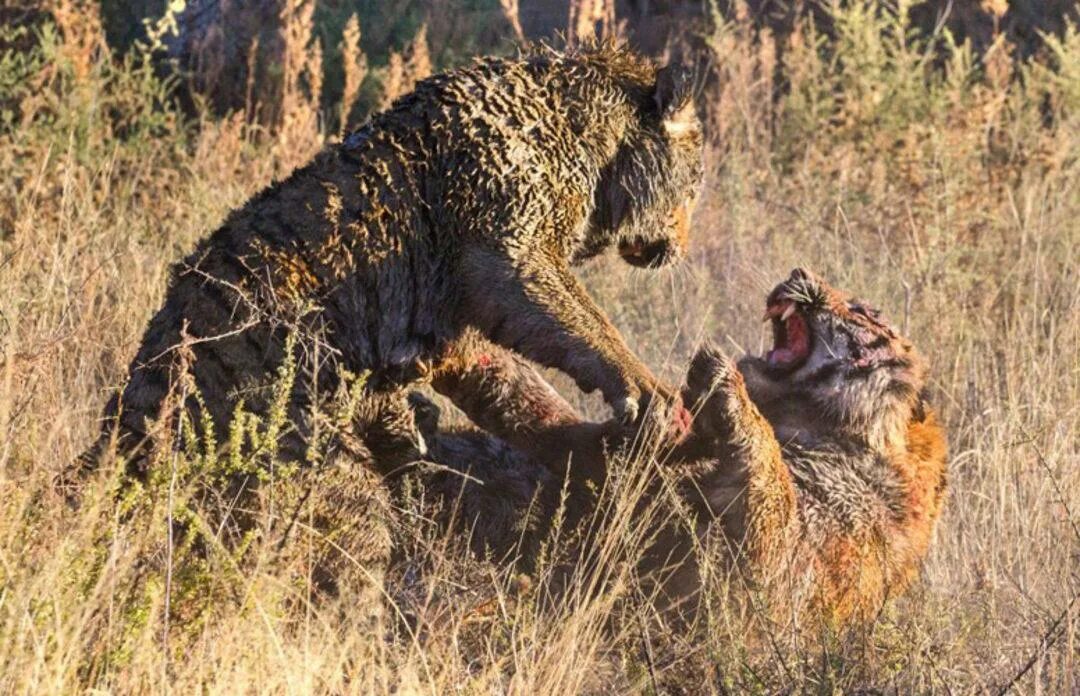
x=791, y=336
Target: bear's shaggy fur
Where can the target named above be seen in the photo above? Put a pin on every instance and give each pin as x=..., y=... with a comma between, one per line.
x=461, y=207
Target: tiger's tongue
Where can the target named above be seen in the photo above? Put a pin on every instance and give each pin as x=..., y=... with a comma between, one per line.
x=792, y=341
x=782, y=356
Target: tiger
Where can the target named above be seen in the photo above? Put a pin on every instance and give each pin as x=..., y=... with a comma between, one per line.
x=818, y=468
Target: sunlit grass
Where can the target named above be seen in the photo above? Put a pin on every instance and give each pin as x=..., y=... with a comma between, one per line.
x=943, y=190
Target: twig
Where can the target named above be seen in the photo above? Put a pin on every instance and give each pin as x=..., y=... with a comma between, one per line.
x=1045, y=643
x=510, y=11
x=10, y=257
x=646, y=646
x=203, y=339
x=1057, y=486
x=169, y=534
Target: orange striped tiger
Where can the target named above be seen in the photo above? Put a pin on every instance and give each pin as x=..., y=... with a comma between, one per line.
x=820, y=463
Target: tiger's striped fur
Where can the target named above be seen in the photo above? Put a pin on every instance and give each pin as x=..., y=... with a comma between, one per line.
x=823, y=479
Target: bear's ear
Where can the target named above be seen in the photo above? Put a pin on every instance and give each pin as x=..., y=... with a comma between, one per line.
x=674, y=99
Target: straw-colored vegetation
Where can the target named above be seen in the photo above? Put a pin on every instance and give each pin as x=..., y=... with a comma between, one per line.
x=941, y=184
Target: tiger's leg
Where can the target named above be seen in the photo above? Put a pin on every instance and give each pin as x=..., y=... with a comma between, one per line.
x=500, y=391
x=505, y=396
x=745, y=481
x=479, y=489
x=530, y=444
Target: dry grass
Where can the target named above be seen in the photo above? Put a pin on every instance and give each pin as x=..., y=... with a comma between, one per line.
x=950, y=198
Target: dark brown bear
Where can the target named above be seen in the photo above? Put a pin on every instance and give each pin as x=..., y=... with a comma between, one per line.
x=461, y=207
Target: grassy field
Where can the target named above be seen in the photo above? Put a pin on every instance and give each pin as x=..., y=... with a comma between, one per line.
x=939, y=184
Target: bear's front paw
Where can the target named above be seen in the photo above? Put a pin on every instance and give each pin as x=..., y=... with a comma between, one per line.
x=625, y=410
x=660, y=416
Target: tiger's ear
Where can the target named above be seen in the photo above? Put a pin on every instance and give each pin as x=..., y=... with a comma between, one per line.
x=674, y=99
